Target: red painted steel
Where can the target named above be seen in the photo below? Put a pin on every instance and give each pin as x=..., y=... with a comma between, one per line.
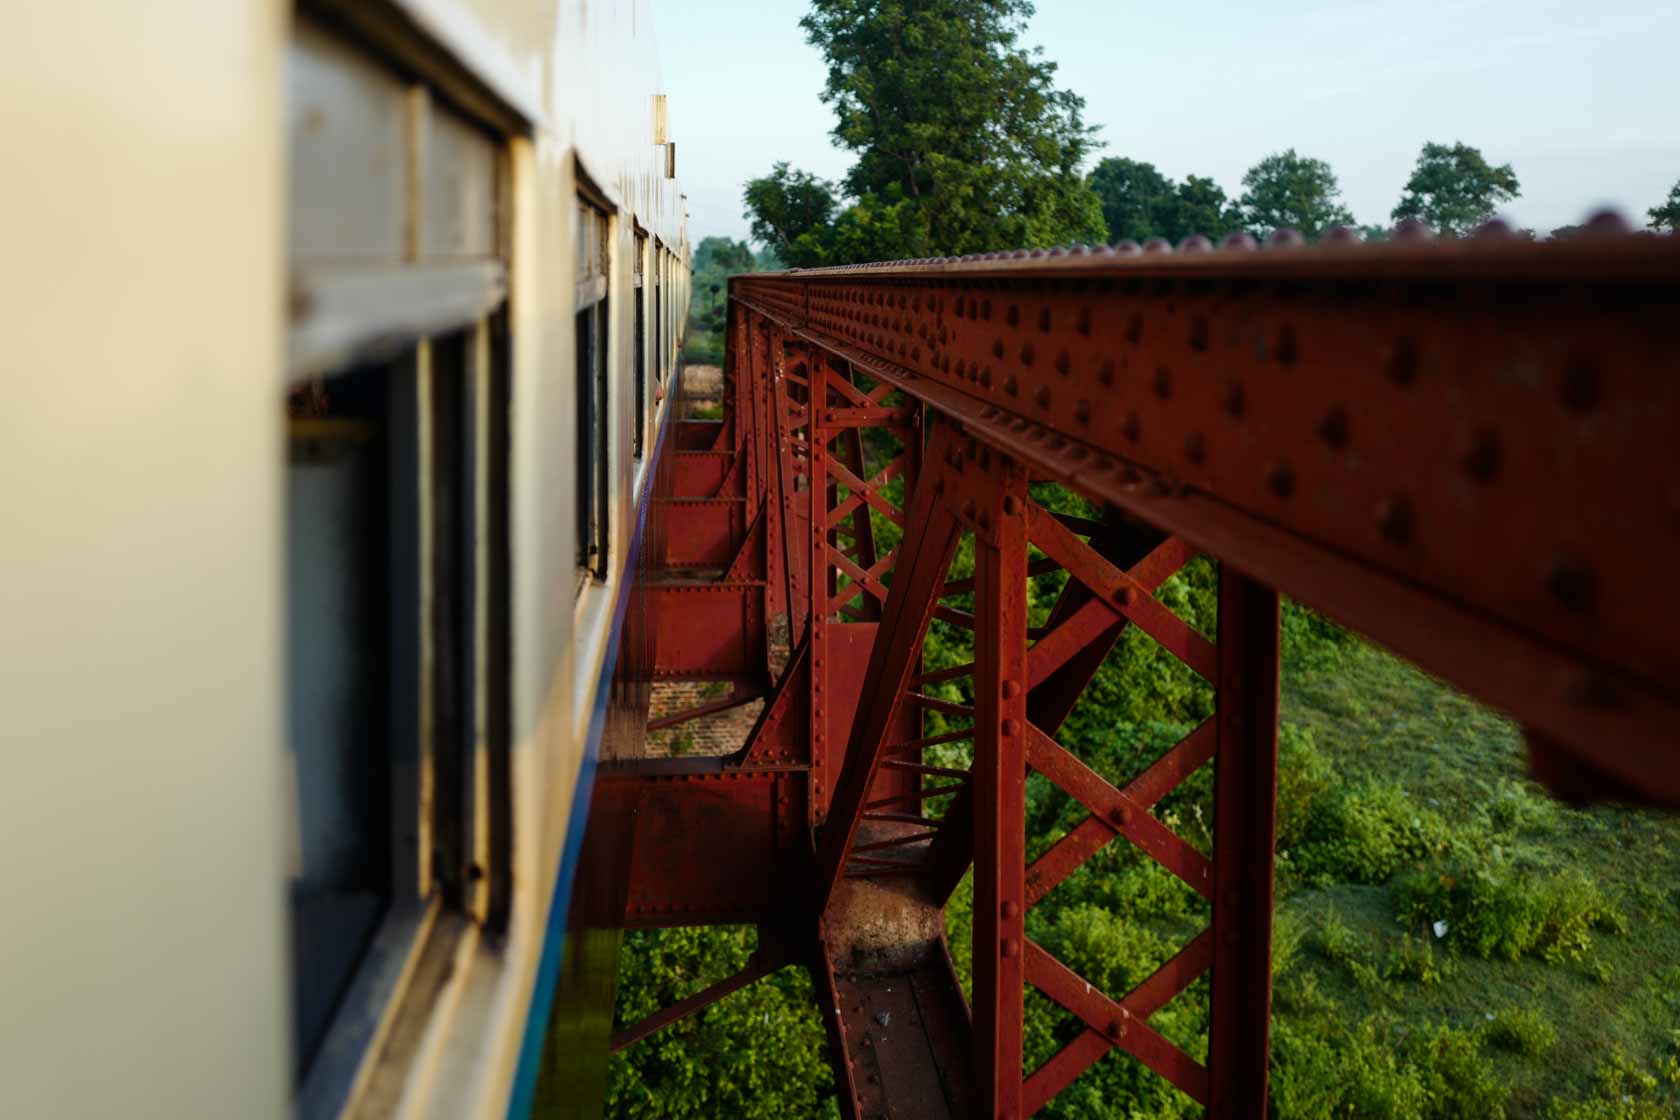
x=1463, y=450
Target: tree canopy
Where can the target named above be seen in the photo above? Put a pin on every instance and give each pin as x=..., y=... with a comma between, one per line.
x=1138, y=202
x=1454, y=188
x=1667, y=216
x=963, y=142
x=792, y=212
x=1291, y=191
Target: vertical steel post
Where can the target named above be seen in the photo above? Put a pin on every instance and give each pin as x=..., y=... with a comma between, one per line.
x=1244, y=820
x=999, y=777
x=818, y=492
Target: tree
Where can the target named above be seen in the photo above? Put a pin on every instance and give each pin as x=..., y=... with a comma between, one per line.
x=1134, y=197
x=1139, y=203
x=1667, y=216
x=963, y=142
x=792, y=212
x=1290, y=191
x=1455, y=189
x=1200, y=206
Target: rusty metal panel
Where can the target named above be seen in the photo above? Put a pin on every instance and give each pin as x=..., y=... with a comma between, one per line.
x=699, y=435
x=708, y=630
x=700, y=474
x=702, y=844
x=711, y=531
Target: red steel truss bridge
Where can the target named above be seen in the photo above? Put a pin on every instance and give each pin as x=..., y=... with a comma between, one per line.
x=1467, y=451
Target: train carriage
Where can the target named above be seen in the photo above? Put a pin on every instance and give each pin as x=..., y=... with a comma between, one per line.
x=352, y=331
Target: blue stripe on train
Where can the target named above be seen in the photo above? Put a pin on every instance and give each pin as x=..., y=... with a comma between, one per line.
x=554, y=936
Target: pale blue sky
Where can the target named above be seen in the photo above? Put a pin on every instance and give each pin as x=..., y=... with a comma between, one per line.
x=1583, y=98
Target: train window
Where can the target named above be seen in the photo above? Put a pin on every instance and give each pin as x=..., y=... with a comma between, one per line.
x=593, y=400
x=639, y=370
x=397, y=551
x=659, y=312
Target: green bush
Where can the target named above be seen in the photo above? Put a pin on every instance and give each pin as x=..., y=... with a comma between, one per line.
x=1347, y=950
x=1310, y=642
x=1458, y=1082
x=1493, y=912
x=1305, y=779
x=1325, y=1069
x=1365, y=833
x=1413, y=959
x=1322, y=1070
x=1621, y=1090
x=759, y=1053
x=1521, y=1030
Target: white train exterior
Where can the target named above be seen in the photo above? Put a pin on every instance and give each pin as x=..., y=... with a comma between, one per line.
x=341, y=337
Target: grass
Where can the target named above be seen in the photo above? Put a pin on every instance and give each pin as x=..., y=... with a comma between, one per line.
x=1614, y=998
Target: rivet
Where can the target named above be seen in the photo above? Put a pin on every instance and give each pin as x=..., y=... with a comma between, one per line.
x=1199, y=333
x=1163, y=382
x=1009, y=727
x=1008, y=689
x=1571, y=583
x=1082, y=412
x=1042, y=397
x=1105, y=374
x=1134, y=328
x=1481, y=462
x=1011, y=387
x=1333, y=429
x=1280, y=479
x=1012, y=316
x=1011, y=909
x=1394, y=520
x=1010, y=948
x=1064, y=364
x=1027, y=354
x=1044, y=319
x=1131, y=427
x=1010, y=504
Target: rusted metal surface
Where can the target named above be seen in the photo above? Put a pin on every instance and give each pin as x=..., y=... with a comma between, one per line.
x=1463, y=450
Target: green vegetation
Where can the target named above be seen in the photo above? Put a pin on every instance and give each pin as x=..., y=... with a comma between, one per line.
x=1667, y=215
x=1455, y=189
x=963, y=143
x=759, y=1054
x=1138, y=203
x=1290, y=191
x=716, y=259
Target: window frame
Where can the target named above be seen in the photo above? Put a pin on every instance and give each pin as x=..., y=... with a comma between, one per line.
x=433, y=326
x=592, y=377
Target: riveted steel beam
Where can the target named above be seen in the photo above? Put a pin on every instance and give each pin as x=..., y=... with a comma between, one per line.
x=1463, y=450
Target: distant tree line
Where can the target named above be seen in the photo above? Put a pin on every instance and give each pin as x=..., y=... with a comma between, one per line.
x=963, y=143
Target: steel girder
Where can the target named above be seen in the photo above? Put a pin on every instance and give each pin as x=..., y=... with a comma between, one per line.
x=1464, y=451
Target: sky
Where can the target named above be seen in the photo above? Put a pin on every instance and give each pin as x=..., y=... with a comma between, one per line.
x=1583, y=99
